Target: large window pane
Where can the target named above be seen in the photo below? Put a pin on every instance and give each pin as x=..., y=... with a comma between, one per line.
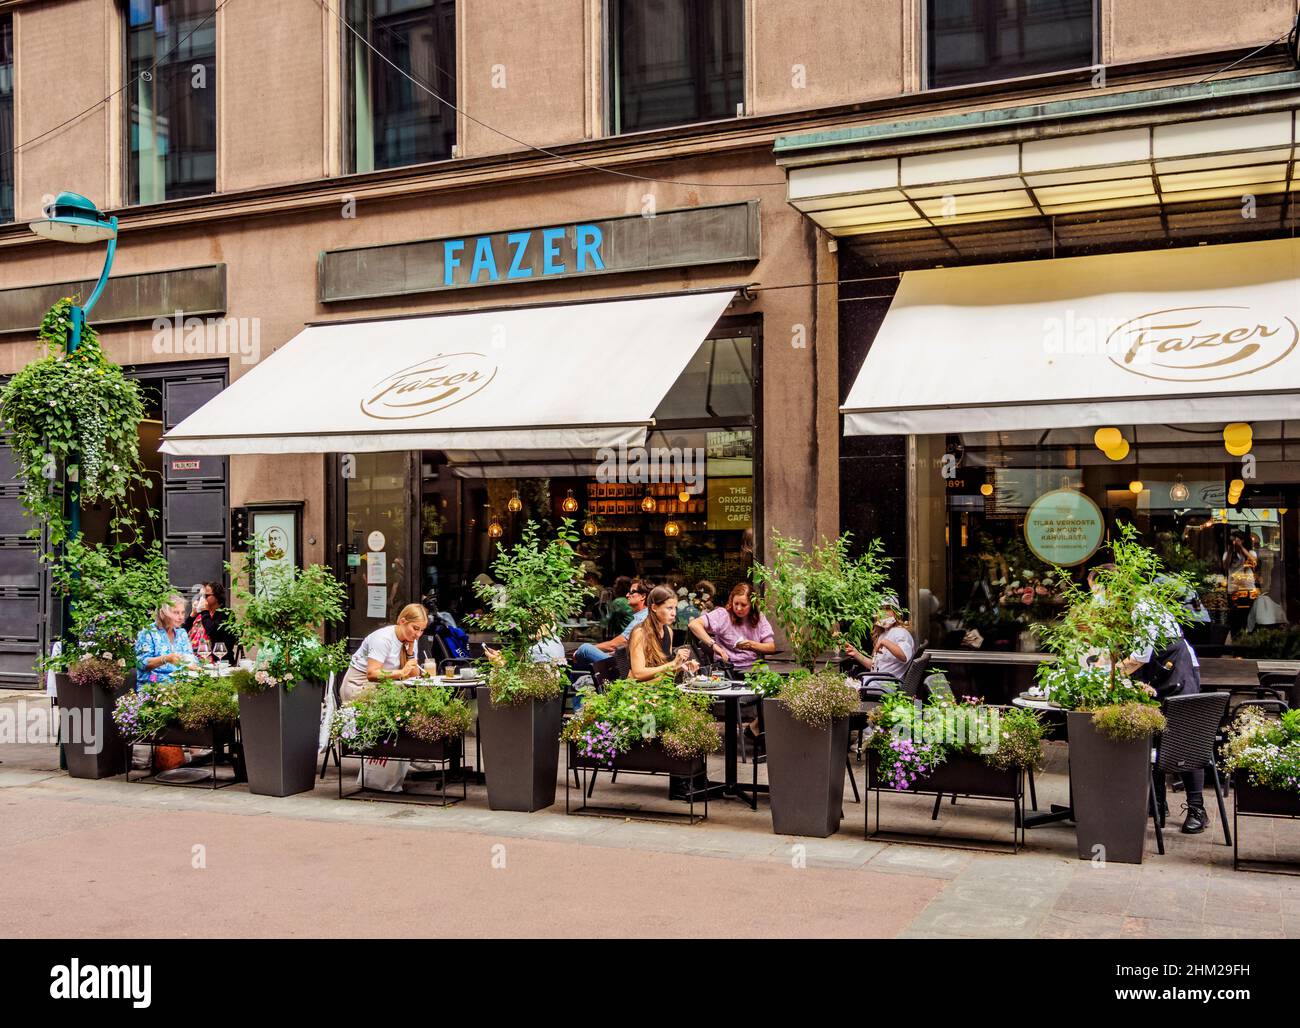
x=675, y=61
x=987, y=40
x=172, y=108
x=392, y=121
x=6, y=117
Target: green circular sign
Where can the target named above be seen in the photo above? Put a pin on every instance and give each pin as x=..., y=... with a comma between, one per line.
x=1064, y=527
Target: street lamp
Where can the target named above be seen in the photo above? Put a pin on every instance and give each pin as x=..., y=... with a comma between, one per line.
x=74, y=219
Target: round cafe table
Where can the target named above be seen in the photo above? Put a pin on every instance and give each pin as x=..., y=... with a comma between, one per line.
x=731, y=787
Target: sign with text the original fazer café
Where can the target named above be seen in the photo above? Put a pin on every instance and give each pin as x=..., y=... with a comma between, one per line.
x=715, y=234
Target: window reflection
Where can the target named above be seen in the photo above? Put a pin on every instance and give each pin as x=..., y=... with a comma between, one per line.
x=986, y=40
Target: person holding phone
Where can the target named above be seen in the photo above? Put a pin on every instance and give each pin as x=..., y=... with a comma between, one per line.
x=736, y=633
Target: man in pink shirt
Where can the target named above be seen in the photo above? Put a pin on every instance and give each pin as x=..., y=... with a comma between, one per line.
x=737, y=632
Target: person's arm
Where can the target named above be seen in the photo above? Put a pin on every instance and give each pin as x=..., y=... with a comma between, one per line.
x=146, y=659
x=852, y=653
x=888, y=644
x=699, y=627
x=642, y=671
x=610, y=645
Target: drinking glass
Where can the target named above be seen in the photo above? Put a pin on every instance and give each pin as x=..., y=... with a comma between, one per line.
x=219, y=651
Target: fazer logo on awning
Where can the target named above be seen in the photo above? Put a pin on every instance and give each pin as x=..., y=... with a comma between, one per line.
x=431, y=385
x=1202, y=344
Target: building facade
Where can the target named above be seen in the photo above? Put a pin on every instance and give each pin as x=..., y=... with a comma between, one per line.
x=280, y=166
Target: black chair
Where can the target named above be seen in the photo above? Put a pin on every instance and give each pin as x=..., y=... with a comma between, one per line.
x=1187, y=744
x=873, y=686
x=611, y=669
x=1280, y=685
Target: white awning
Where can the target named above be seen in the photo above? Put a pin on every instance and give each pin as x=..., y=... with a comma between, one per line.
x=574, y=377
x=1201, y=334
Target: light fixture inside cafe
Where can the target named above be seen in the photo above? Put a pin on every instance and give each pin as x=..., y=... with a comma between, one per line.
x=648, y=504
x=1238, y=438
x=684, y=495
x=495, y=531
x=1111, y=442
x=672, y=529
x=589, y=528
x=986, y=489
x=1136, y=486
x=1178, y=492
x=570, y=504
x=514, y=504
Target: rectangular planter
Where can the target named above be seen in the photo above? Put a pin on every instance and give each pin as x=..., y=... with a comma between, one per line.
x=962, y=774
x=805, y=772
x=178, y=735
x=1255, y=799
x=406, y=747
x=521, y=751
x=280, y=730
x=1110, y=786
x=91, y=742
x=643, y=758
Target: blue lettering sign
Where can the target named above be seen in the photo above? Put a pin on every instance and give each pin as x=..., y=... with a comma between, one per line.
x=450, y=263
x=484, y=259
x=551, y=251
x=588, y=239
x=519, y=240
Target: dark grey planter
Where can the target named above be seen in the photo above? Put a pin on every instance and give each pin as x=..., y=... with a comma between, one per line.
x=962, y=774
x=1109, y=783
x=643, y=758
x=91, y=742
x=521, y=751
x=280, y=730
x=1256, y=799
x=407, y=747
x=805, y=772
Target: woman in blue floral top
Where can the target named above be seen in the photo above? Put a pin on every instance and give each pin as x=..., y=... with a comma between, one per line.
x=164, y=647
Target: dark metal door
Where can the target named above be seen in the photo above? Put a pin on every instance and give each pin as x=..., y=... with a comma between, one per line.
x=194, y=510
x=24, y=586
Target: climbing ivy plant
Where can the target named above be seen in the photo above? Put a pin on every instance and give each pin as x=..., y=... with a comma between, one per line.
x=73, y=411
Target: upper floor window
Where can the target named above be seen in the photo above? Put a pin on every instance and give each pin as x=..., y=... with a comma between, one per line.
x=391, y=120
x=675, y=61
x=172, y=99
x=7, y=141
x=987, y=40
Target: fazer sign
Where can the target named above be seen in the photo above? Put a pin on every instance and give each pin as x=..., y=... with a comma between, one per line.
x=1202, y=344
x=428, y=386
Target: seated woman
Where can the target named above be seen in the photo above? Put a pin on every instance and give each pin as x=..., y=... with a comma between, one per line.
x=160, y=649
x=736, y=633
x=208, y=622
x=892, y=646
x=651, y=641
x=387, y=651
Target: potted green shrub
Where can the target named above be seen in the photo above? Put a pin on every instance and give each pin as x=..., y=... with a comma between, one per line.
x=194, y=707
x=819, y=599
x=537, y=586
x=643, y=727
x=111, y=597
x=280, y=615
x=1112, y=718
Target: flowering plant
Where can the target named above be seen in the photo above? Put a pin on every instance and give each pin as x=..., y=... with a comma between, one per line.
x=1266, y=751
x=99, y=670
x=192, y=698
x=393, y=708
x=75, y=409
x=818, y=699
x=628, y=712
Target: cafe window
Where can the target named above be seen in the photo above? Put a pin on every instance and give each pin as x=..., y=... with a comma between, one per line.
x=997, y=513
x=986, y=40
x=674, y=62
x=171, y=99
x=679, y=510
x=7, y=141
x=392, y=121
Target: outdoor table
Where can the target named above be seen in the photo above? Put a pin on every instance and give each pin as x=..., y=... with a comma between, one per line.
x=467, y=687
x=1057, y=812
x=731, y=785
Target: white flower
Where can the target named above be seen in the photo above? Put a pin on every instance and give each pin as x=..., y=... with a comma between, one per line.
x=271, y=680
x=121, y=662
x=107, y=656
x=261, y=677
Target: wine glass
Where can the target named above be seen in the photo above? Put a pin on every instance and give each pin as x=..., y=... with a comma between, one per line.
x=219, y=651
x=203, y=652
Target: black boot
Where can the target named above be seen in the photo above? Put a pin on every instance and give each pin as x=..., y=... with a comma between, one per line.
x=1196, y=821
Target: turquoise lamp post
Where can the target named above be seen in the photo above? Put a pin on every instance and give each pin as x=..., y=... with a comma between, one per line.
x=74, y=219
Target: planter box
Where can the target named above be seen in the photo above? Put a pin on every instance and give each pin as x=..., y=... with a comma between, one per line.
x=178, y=735
x=963, y=774
x=406, y=747
x=91, y=742
x=521, y=751
x=643, y=758
x=1110, y=785
x=280, y=730
x=1257, y=800
x=805, y=772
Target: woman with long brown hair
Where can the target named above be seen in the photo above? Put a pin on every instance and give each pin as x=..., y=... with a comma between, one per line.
x=651, y=642
x=737, y=633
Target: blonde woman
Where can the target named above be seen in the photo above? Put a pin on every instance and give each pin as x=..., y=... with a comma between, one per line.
x=387, y=651
x=651, y=642
x=163, y=647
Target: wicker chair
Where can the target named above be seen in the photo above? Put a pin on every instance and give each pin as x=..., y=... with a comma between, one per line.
x=1187, y=744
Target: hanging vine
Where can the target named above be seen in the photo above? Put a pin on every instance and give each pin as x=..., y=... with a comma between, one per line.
x=73, y=411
